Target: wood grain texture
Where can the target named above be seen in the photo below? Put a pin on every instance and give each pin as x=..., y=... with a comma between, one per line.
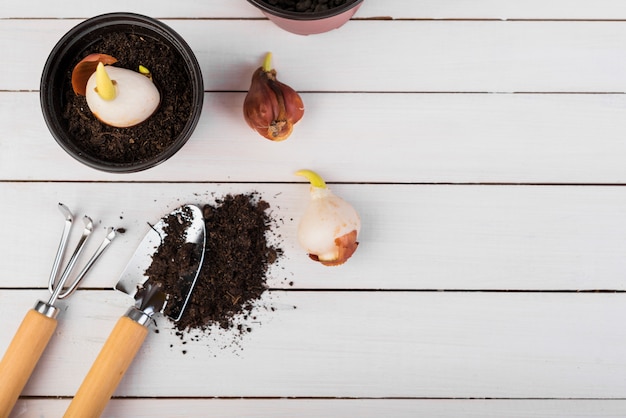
x=359, y=345
x=107, y=371
x=413, y=237
x=370, y=9
x=391, y=138
x=444, y=56
x=314, y=408
x=21, y=357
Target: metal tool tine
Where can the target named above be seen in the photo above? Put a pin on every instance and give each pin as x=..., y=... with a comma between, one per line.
x=70, y=265
x=69, y=218
x=105, y=243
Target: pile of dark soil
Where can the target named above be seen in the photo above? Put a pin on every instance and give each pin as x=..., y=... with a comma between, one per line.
x=236, y=261
x=305, y=6
x=150, y=138
x=174, y=259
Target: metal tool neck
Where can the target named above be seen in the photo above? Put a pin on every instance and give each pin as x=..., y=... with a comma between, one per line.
x=139, y=316
x=46, y=309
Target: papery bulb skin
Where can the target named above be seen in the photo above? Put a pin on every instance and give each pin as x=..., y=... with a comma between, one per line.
x=329, y=227
x=85, y=69
x=271, y=108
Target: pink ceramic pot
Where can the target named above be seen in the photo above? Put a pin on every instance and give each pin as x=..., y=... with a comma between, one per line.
x=308, y=23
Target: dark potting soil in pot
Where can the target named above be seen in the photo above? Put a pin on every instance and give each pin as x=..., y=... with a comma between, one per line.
x=157, y=133
x=236, y=260
x=305, y=6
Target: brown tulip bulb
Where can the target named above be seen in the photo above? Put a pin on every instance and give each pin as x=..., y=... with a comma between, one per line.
x=271, y=107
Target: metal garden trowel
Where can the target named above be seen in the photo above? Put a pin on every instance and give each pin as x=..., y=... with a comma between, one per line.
x=150, y=298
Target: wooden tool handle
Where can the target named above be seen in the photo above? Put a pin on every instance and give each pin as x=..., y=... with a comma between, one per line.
x=22, y=356
x=107, y=371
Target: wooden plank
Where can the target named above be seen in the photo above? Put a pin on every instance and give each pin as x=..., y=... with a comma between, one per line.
x=413, y=237
x=394, y=9
x=355, y=344
x=313, y=408
x=398, y=138
x=449, y=56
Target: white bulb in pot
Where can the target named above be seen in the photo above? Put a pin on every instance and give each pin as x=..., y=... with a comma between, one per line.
x=117, y=96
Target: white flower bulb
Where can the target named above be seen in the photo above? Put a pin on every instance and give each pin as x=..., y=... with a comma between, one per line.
x=134, y=100
x=329, y=227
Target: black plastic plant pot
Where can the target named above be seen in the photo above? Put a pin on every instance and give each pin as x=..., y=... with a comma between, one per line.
x=308, y=23
x=137, y=148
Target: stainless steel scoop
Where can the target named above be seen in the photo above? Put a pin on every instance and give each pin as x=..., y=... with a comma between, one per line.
x=39, y=324
x=131, y=329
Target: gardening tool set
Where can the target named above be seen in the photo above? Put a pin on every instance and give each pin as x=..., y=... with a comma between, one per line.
x=127, y=336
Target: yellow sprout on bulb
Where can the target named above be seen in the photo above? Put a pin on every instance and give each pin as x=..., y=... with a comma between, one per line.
x=116, y=96
x=104, y=85
x=329, y=228
x=144, y=71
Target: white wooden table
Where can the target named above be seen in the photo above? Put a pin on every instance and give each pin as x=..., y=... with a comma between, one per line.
x=483, y=143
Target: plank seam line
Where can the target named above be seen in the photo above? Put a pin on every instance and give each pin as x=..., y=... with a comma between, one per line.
x=373, y=290
x=353, y=19
x=339, y=398
x=380, y=183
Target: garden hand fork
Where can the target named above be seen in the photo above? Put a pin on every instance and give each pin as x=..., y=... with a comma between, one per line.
x=39, y=324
